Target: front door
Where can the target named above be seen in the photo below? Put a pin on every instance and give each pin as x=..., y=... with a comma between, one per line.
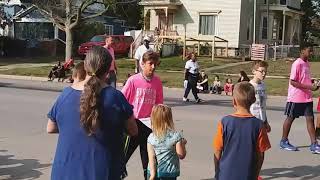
x=165, y=24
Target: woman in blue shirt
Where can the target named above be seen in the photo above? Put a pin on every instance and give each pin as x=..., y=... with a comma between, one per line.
x=91, y=119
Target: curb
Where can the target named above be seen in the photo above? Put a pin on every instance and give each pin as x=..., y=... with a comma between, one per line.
x=272, y=77
x=29, y=78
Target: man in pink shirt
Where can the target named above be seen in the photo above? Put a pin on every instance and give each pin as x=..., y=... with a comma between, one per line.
x=299, y=102
x=143, y=91
x=112, y=76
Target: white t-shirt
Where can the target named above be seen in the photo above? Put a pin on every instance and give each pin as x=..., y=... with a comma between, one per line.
x=259, y=108
x=140, y=52
x=193, y=66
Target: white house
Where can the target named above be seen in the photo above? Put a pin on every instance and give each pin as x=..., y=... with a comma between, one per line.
x=232, y=20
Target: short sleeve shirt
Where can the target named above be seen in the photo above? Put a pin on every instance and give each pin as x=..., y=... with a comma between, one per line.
x=239, y=137
x=143, y=94
x=192, y=66
x=259, y=108
x=300, y=72
x=167, y=158
x=113, y=63
x=79, y=156
x=140, y=52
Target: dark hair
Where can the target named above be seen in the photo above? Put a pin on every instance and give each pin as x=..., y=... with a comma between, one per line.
x=228, y=79
x=96, y=64
x=217, y=76
x=150, y=56
x=305, y=45
x=244, y=75
x=244, y=94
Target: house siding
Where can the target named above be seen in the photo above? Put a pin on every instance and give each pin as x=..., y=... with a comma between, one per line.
x=228, y=20
x=246, y=21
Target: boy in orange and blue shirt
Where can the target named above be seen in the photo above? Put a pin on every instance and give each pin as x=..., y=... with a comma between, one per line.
x=241, y=139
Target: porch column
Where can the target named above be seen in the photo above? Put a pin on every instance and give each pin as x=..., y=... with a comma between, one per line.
x=283, y=31
x=145, y=12
x=56, y=32
x=167, y=21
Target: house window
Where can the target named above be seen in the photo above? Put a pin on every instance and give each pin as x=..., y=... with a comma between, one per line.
x=264, y=32
x=108, y=29
x=207, y=24
x=34, y=30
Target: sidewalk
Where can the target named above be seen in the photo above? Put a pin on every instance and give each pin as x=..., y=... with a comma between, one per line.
x=25, y=65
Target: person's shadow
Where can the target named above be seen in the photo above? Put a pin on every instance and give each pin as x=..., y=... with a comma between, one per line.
x=11, y=168
x=301, y=172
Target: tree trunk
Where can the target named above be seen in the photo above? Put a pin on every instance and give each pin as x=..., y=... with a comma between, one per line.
x=69, y=43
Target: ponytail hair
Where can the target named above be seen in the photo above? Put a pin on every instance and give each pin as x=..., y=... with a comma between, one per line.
x=96, y=64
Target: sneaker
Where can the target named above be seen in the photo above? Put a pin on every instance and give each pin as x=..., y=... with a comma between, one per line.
x=185, y=100
x=199, y=100
x=315, y=148
x=284, y=144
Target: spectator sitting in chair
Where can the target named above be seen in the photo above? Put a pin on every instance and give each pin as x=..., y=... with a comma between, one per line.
x=54, y=71
x=216, y=87
x=228, y=87
x=203, y=84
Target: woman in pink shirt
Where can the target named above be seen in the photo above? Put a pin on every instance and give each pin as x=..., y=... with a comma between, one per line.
x=143, y=91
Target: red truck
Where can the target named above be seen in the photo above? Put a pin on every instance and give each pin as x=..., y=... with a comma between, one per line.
x=121, y=44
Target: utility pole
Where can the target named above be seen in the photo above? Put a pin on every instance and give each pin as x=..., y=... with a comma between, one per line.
x=268, y=26
x=254, y=20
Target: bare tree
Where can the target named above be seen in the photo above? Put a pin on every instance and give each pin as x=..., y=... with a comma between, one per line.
x=67, y=14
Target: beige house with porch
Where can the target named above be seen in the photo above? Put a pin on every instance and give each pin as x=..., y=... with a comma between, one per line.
x=232, y=20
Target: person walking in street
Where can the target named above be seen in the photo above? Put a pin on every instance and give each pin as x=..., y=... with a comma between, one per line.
x=112, y=76
x=145, y=47
x=91, y=118
x=299, y=101
x=192, y=76
x=143, y=91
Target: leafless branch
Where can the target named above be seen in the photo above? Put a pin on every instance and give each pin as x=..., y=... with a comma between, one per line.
x=96, y=15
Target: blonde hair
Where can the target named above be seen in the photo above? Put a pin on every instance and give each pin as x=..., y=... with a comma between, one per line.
x=161, y=120
x=244, y=94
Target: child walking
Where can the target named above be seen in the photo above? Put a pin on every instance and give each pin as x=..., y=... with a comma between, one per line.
x=143, y=91
x=165, y=146
x=241, y=139
x=259, y=107
x=299, y=101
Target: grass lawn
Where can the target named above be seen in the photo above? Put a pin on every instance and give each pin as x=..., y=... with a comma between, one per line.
x=276, y=68
x=176, y=63
x=175, y=79
x=8, y=61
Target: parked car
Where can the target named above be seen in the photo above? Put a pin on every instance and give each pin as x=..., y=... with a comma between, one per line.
x=121, y=44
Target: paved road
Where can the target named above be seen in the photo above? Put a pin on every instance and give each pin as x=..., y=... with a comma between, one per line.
x=26, y=151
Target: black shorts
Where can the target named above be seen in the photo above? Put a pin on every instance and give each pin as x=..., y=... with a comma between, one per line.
x=295, y=110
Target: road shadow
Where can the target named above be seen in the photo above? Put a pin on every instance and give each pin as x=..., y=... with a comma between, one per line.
x=11, y=168
x=4, y=84
x=302, y=172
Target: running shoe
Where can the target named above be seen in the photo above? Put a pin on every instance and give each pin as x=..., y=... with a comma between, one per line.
x=315, y=148
x=284, y=144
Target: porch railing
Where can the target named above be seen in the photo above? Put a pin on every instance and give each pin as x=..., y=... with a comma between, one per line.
x=296, y=4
